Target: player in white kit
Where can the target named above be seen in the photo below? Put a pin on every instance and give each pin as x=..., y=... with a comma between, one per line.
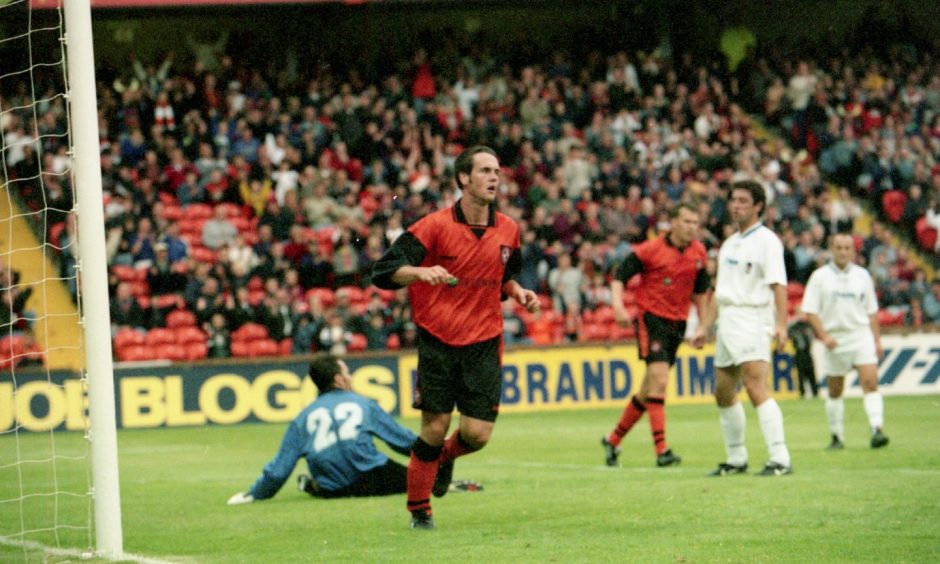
x=750, y=306
x=841, y=305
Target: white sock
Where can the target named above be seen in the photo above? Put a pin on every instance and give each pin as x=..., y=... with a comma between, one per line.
x=771, y=424
x=835, y=411
x=875, y=408
x=732, y=427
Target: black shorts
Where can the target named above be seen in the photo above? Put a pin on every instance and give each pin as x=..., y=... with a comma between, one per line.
x=389, y=479
x=468, y=376
x=659, y=338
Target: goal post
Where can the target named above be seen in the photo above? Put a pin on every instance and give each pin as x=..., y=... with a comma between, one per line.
x=93, y=277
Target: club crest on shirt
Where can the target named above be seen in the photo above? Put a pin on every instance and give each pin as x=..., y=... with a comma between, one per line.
x=504, y=253
x=698, y=264
x=655, y=346
x=667, y=281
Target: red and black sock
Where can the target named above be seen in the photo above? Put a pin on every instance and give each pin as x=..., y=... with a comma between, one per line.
x=631, y=414
x=455, y=446
x=421, y=472
x=656, y=408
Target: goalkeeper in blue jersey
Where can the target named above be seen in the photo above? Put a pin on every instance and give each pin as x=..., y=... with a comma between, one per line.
x=334, y=434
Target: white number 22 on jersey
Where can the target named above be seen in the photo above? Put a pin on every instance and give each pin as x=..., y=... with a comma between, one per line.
x=320, y=424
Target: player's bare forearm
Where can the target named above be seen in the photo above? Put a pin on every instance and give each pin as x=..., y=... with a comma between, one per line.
x=616, y=301
x=707, y=313
x=407, y=275
x=701, y=302
x=526, y=298
x=780, y=303
x=816, y=323
x=876, y=332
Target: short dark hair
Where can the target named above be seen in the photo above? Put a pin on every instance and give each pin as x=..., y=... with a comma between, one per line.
x=688, y=206
x=323, y=371
x=464, y=162
x=756, y=190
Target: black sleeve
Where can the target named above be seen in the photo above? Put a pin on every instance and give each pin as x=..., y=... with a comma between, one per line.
x=630, y=267
x=513, y=266
x=405, y=251
x=702, y=282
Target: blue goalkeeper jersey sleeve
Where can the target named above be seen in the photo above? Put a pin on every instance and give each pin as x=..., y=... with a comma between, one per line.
x=335, y=434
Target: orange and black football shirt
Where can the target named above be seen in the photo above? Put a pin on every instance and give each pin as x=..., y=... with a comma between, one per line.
x=482, y=258
x=670, y=276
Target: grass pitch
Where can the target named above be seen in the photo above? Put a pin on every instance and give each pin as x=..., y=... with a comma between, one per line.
x=548, y=496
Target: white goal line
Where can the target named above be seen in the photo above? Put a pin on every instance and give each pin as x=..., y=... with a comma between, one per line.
x=78, y=553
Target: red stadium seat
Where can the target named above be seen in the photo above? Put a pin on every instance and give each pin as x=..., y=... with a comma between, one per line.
x=358, y=343
x=256, y=296
x=604, y=314
x=128, y=337
x=198, y=211
x=250, y=332
x=926, y=235
x=326, y=295
x=893, y=203
x=385, y=295
x=124, y=272
x=597, y=331
x=140, y=288
x=242, y=224
x=170, y=351
x=188, y=335
x=172, y=212
x=10, y=346
x=165, y=301
x=618, y=333
x=203, y=254
x=394, y=342
x=887, y=318
x=196, y=351
x=263, y=347
x=55, y=233
x=794, y=290
x=231, y=210
x=135, y=353
x=180, y=318
x=285, y=347
x=240, y=349
x=167, y=198
x=160, y=336
x=355, y=293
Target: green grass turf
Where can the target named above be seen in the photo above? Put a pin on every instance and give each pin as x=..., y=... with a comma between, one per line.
x=548, y=497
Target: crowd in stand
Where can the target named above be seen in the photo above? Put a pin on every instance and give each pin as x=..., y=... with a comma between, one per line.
x=873, y=126
x=251, y=207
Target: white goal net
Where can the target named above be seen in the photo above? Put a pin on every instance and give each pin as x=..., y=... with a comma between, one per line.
x=48, y=500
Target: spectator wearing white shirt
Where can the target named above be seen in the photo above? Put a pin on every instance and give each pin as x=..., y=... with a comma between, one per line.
x=841, y=305
x=750, y=305
x=218, y=232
